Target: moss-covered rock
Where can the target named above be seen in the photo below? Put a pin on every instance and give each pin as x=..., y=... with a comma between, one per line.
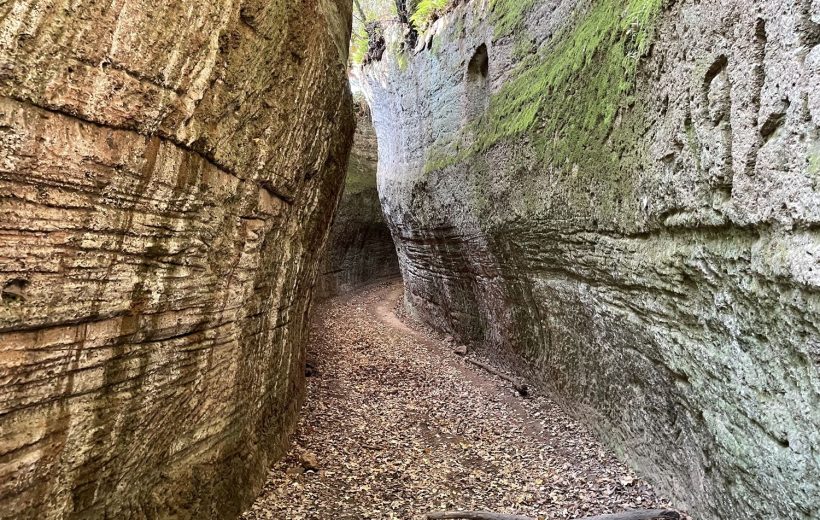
x=625, y=204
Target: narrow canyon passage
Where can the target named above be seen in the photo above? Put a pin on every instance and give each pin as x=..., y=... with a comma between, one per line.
x=396, y=425
x=616, y=199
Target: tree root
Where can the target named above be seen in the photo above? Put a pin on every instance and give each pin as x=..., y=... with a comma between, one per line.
x=474, y=515
x=519, y=386
x=639, y=514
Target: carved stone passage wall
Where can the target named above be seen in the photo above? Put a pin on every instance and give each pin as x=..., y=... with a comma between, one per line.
x=360, y=249
x=630, y=203
x=168, y=171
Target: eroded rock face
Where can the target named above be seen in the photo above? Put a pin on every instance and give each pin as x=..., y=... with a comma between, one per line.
x=168, y=171
x=360, y=249
x=624, y=193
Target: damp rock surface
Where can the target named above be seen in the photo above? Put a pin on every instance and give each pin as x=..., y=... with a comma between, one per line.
x=168, y=171
x=621, y=196
x=360, y=249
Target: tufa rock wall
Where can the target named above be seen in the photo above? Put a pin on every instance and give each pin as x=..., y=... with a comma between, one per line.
x=624, y=194
x=360, y=248
x=168, y=171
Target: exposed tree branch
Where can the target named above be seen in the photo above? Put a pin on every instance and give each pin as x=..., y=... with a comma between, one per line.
x=638, y=514
x=519, y=386
x=361, y=11
x=474, y=515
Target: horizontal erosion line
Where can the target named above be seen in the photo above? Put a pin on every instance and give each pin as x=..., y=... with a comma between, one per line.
x=266, y=185
x=133, y=74
x=545, y=229
x=99, y=318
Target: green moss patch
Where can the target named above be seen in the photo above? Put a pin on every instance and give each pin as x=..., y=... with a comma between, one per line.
x=814, y=159
x=508, y=15
x=566, y=98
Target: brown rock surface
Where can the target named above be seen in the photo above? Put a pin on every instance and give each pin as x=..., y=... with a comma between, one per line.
x=167, y=174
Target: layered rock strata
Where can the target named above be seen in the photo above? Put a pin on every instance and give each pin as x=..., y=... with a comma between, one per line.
x=168, y=172
x=624, y=193
x=360, y=249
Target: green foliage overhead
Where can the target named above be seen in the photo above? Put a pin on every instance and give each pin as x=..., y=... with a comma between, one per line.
x=374, y=10
x=358, y=46
x=425, y=10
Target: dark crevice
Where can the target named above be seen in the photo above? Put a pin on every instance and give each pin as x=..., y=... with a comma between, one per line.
x=719, y=65
x=376, y=44
x=14, y=290
x=271, y=188
x=479, y=65
x=810, y=30
x=758, y=81
x=772, y=124
x=411, y=36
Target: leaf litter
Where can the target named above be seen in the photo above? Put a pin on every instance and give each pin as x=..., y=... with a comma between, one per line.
x=396, y=424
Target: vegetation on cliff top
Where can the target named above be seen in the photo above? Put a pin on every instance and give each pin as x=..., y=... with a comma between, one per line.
x=369, y=12
x=427, y=10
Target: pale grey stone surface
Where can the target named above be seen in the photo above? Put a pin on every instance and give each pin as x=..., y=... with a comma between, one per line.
x=670, y=294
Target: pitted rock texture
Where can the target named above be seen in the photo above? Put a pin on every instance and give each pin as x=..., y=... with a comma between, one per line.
x=624, y=194
x=168, y=172
x=360, y=249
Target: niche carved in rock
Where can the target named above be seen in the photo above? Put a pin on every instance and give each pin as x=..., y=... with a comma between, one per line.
x=477, y=79
x=715, y=130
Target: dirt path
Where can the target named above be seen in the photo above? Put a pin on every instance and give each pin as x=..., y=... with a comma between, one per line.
x=397, y=425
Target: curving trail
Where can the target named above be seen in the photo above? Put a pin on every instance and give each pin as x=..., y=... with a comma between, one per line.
x=397, y=425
